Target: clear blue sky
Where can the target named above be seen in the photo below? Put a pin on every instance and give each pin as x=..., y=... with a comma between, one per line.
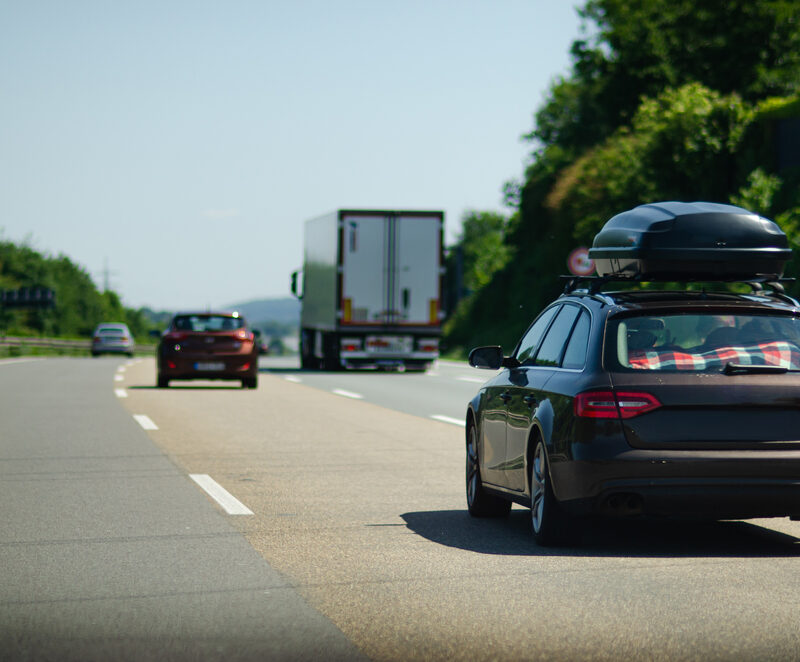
x=186, y=142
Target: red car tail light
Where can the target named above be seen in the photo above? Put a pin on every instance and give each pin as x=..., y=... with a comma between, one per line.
x=607, y=404
x=175, y=336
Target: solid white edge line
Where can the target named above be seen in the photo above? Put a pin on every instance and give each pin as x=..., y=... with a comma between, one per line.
x=474, y=380
x=225, y=499
x=20, y=360
x=448, y=419
x=121, y=392
x=145, y=422
x=348, y=394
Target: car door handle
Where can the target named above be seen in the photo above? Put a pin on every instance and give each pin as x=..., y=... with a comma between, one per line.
x=530, y=400
x=505, y=396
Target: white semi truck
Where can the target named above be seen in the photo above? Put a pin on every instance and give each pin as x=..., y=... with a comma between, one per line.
x=371, y=289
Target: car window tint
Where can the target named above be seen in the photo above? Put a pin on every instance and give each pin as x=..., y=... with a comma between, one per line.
x=556, y=338
x=706, y=342
x=530, y=340
x=575, y=356
x=204, y=323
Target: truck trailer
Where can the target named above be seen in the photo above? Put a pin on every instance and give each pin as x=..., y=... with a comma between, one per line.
x=371, y=289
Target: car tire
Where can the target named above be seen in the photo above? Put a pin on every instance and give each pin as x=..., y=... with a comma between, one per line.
x=479, y=502
x=550, y=523
x=162, y=382
x=250, y=382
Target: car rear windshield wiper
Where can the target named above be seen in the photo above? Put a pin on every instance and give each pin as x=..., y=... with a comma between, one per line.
x=734, y=368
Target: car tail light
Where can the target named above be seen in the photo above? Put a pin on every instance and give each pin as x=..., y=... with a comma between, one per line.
x=608, y=404
x=175, y=336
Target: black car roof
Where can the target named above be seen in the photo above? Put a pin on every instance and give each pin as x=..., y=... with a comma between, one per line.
x=639, y=299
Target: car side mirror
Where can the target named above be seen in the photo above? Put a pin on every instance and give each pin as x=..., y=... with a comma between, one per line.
x=489, y=358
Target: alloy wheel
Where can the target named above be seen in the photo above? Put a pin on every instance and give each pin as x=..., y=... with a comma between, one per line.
x=538, y=487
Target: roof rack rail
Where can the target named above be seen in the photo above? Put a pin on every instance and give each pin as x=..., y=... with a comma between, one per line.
x=595, y=284
x=778, y=291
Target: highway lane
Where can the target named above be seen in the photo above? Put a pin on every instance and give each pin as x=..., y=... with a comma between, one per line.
x=360, y=508
x=109, y=552
x=442, y=392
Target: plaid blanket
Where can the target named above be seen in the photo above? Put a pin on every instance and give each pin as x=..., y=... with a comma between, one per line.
x=784, y=354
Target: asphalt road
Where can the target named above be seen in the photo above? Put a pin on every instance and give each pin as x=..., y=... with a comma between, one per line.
x=358, y=539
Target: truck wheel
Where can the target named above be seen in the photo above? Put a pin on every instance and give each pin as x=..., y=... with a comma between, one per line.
x=330, y=349
x=307, y=360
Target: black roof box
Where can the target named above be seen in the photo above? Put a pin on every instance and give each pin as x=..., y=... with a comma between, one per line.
x=690, y=241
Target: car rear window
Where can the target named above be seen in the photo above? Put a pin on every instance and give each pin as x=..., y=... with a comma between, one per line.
x=200, y=323
x=703, y=342
x=111, y=332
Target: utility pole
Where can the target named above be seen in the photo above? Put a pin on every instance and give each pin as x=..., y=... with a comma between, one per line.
x=107, y=273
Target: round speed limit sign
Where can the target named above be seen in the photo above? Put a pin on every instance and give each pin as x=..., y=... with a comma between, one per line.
x=579, y=263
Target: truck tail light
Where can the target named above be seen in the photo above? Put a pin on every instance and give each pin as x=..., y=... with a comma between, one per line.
x=434, y=311
x=350, y=345
x=608, y=404
x=428, y=345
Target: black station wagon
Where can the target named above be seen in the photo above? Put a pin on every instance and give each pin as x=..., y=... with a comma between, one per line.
x=647, y=401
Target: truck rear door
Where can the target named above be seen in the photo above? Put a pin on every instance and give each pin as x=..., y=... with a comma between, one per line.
x=417, y=259
x=390, y=269
x=364, y=269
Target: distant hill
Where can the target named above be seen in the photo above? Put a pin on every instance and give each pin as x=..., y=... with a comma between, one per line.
x=265, y=311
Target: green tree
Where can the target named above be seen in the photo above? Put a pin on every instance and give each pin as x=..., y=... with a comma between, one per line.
x=667, y=99
x=79, y=305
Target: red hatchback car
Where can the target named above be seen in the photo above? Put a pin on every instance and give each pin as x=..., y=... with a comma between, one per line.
x=208, y=346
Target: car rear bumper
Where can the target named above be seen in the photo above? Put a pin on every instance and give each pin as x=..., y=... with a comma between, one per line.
x=217, y=366
x=100, y=348
x=722, y=484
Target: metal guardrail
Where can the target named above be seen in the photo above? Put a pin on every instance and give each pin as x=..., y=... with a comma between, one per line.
x=59, y=343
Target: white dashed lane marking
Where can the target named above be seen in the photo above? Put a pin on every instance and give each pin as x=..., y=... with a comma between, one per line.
x=229, y=503
x=145, y=422
x=121, y=392
x=348, y=394
x=294, y=380
x=448, y=419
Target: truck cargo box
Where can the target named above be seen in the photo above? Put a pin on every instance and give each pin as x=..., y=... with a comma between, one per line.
x=690, y=241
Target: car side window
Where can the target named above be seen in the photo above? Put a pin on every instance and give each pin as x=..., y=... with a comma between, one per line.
x=530, y=341
x=575, y=356
x=550, y=352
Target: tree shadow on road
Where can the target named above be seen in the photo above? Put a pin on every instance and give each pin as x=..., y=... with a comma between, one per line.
x=656, y=538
